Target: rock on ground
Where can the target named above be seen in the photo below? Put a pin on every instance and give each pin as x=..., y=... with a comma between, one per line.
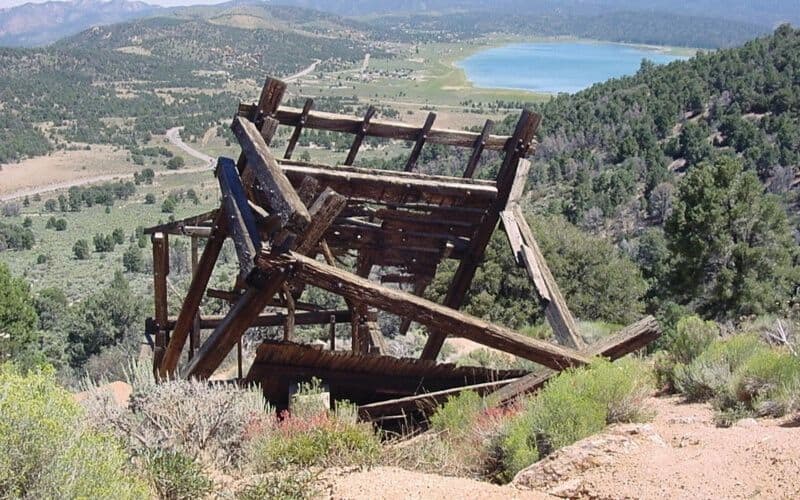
x=681, y=454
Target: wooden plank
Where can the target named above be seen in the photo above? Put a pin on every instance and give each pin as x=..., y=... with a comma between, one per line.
x=383, y=185
x=298, y=129
x=301, y=318
x=423, y=311
x=558, y=314
x=191, y=304
x=241, y=222
x=477, y=149
x=326, y=208
x=517, y=149
x=360, y=134
x=626, y=341
x=421, y=138
x=176, y=227
x=283, y=199
x=520, y=179
x=160, y=272
x=426, y=402
x=271, y=95
x=388, y=129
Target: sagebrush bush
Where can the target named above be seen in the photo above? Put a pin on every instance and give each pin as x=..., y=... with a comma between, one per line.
x=575, y=404
x=46, y=452
x=176, y=476
x=711, y=373
x=458, y=413
x=287, y=485
x=689, y=339
x=768, y=382
x=323, y=440
x=208, y=422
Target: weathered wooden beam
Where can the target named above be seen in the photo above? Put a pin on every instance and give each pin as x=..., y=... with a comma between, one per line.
x=384, y=185
x=423, y=311
x=271, y=96
x=298, y=129
x=360, y=134
x=327, y=207
x=241, y=317
x=477, y=149
x=426, y=403
x=556, y=310
x=385, y=129
x=177, y=227
x=626, y=341
x=191, y=304
x=421, y=138
x=518, y=147
x=241, y=222
x=301, y=318
x=283, y=199
x=160, y=272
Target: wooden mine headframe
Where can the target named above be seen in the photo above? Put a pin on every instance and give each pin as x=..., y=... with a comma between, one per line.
x=398, y=225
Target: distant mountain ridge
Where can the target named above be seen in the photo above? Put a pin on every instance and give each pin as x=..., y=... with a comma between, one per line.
x=34, y=24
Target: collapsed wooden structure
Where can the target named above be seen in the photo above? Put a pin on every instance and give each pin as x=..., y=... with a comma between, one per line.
x=374, y=231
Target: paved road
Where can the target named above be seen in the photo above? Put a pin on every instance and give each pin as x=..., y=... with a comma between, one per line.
x=174, y=136
x=304, y=72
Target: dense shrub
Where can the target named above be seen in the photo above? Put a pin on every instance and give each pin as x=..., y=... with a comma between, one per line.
x=45, y=452
x=681, y=346
x=292, y=485
x=572, y=406
x=712, y=371
x=15, y=237
x=81, y=250
x=207, y=423
x=176, y=476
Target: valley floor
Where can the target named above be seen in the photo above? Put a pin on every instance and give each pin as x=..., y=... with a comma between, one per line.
x=680, y=454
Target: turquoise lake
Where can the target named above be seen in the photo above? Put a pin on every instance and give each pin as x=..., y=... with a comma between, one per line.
x=554, y=67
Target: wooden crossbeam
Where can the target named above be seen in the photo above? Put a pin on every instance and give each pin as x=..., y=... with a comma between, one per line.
x=301, y=318
x=380, y=128
x=298, y=129
x=382, y=185
x=421, y=138
x=517, y=149
x=477, y=149
x=283, y=199
x=178, y=226
x=360, y=134
x=424, y=311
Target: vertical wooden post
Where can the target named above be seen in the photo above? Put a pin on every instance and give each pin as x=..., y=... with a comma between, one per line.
x=194, y=334
x=351, y=156
x=421, y=138
x=160, y=272
x=298, y=129
x=288, y=325
x=477, y=149
x=333, y=332
x=239, y=359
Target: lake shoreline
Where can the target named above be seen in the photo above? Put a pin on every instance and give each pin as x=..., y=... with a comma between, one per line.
x=556, y=65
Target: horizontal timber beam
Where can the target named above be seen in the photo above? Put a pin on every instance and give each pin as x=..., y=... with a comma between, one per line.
x=421, y=310
x=277, y=319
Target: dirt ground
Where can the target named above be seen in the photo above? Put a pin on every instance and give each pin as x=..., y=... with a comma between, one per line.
x=392, y=483
x=689, y=458
x=753, y=459
x=61, y=170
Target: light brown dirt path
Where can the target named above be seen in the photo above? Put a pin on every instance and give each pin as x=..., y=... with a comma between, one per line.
x=392, y=483
x=698, y=460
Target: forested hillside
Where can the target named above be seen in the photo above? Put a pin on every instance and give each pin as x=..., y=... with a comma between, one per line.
x=155, y=73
